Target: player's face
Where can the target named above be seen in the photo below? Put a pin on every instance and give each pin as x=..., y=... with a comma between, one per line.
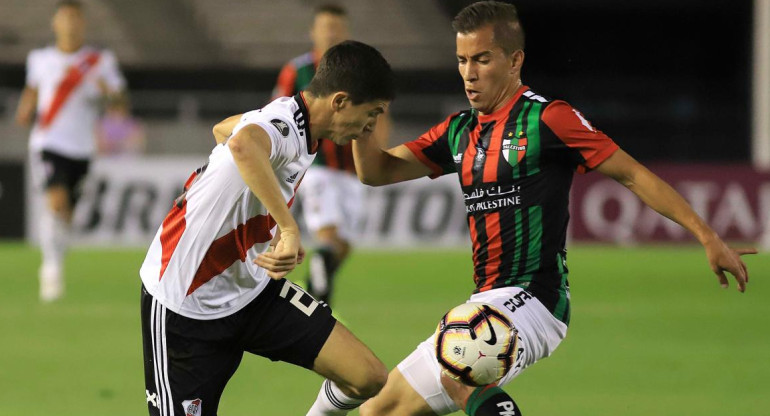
x=490, y=75
x=69, y=25
x=328, y=30
x=349, y=121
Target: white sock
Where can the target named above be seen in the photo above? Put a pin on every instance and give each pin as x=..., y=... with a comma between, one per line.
x=331, y=401
x=54, y=237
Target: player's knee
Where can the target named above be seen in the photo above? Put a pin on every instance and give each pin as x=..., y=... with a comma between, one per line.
x=375, y=380
x=58, y=201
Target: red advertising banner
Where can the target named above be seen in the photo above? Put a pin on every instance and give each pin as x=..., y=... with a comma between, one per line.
x=733, y=199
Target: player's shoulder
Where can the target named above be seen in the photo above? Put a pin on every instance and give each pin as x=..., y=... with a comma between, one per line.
x=468, y=115
x=535, y=97
x=105, y=53
x=302, y=60
x=284, y=107
x=550, y=107
x=41, y=52
x=280, y=114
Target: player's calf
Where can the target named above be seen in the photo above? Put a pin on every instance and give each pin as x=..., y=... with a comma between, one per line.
x=353, y=374
x=481, y=401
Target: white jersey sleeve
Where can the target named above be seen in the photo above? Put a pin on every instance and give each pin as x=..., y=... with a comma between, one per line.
x=109, y=71
x=285, y=141
x=33, y=69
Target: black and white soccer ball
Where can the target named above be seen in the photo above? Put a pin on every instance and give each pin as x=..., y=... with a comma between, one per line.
x=475, y=343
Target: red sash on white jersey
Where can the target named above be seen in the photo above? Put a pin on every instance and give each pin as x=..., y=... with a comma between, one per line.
x=71, y=80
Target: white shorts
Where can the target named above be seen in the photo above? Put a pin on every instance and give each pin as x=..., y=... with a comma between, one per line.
x=332, y=197
x=539, y=335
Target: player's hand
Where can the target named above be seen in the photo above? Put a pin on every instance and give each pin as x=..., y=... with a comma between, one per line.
x=285, y=257
x=724, y=259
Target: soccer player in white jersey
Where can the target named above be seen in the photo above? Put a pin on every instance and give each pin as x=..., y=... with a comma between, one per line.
x=64, y=85
x=211, y=289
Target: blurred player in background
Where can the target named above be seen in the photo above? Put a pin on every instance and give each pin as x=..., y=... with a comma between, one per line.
x=65, y=85
x=212, y=290
x=514, y=152
x=333, y=198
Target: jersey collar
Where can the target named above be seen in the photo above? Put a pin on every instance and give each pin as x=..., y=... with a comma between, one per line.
x=304, y=124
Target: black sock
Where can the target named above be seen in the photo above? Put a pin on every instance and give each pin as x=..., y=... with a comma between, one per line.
x=491, y=401
x=323, y=267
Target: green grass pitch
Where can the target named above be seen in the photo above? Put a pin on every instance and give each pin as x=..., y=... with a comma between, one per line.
x=652, y=333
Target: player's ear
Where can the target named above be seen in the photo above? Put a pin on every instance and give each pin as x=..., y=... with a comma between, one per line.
x=340, y=100
x=517, y=60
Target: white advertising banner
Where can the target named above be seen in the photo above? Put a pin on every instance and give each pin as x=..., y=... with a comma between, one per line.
x=125, y=200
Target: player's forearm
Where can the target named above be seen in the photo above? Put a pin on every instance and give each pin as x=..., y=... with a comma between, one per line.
x=26, y=109
x=252, y=157
x=371, y=161
x=377, y=167
x=661, y=197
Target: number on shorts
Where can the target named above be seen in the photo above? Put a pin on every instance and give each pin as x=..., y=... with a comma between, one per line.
x=296, y=299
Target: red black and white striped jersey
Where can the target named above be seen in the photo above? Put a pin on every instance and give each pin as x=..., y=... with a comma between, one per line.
x=68, y=87
x=515, y=168
x=200, y=263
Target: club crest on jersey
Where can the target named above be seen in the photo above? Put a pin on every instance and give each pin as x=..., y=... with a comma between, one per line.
x=281, y=126
x=514, y=147
x=192, y=407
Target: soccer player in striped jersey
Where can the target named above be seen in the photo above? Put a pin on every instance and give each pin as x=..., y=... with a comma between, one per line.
x=332, y=198
x=64, y=81
x=514, y=152
x=211, y=290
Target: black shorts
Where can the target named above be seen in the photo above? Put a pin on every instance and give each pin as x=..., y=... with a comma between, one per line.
x=58, y=170
x=188, y=362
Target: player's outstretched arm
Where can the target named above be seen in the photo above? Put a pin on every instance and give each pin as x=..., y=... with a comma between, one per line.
x=224, y=128
x=26, y=109
x=377, y=167
x=661, y=197
x=251, y=148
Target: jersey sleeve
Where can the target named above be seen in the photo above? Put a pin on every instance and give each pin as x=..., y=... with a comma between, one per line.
x=287, y=78
x=110, y=72
x=590, y=146
x=432, y=149
x=284, y=141
x=33, y=69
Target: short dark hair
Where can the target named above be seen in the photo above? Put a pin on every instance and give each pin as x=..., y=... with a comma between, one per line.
x=69, y=3
x=331, y=8
x=509, y=34
x=355, y=68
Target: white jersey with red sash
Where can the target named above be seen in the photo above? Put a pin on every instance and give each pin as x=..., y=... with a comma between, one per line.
x=200, y=263
x=69, y=90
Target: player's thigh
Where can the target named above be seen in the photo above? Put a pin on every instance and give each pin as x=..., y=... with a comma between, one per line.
x=397, y=398
x=187, y=362
x=285, y=323
x=345, y=359
x=58, y=199
x=539, y=332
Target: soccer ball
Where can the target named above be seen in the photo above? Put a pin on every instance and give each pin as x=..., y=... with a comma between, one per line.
x=475, y=344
